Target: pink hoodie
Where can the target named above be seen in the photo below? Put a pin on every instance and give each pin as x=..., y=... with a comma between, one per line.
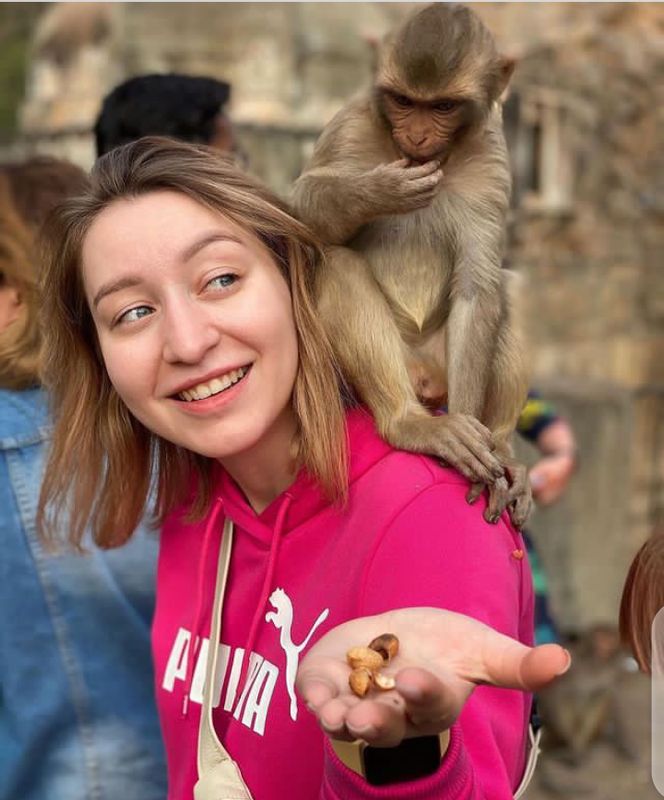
x=406, y=538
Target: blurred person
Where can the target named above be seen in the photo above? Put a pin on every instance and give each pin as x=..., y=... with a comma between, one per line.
x=642, y=598
x=552, y=435
x=77, y=709
x=184, y=107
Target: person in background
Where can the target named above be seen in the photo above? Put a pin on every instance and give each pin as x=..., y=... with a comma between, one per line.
x=184, y=107
x=77, y=711
x=552, y=435
x=642, y=599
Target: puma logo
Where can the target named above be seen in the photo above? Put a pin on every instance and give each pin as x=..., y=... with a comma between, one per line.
x=282, y=619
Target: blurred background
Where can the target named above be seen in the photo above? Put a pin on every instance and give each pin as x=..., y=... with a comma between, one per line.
x=583, y=120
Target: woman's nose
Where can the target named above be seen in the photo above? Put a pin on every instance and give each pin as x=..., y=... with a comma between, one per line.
x=188, y=334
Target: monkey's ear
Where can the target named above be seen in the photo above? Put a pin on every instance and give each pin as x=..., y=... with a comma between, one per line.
x=505, y=69
x=373, y=41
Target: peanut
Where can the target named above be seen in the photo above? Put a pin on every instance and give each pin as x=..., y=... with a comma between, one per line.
x=360, y=681
x=386, y=644
x=366, y=663
x=364, y=657
x=384, y=682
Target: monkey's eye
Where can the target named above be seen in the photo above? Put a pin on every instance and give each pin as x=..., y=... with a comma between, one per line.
x=402, y=100
x=446, y=106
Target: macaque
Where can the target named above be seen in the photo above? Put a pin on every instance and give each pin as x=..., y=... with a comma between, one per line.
x=409, y=185
x=584, y=705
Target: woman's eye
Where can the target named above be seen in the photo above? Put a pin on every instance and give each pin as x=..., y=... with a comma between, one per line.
x=222, y=281
x=134, y=314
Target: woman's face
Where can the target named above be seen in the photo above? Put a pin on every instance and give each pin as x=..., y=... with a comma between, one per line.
x=194, y=321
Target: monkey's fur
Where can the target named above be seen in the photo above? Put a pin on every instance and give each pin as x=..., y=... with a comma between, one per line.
x=416, y=301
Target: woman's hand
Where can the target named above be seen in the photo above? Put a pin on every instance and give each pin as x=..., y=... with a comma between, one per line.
x=550, y=476
x=442, y=657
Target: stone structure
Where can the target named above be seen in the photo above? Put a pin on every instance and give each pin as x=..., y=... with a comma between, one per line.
x=583, y=119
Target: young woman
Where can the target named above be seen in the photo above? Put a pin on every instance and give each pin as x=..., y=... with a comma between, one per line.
x=77, y=715
x=179, y=297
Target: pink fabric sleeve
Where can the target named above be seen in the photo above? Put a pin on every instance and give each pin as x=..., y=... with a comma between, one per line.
x=440, y=552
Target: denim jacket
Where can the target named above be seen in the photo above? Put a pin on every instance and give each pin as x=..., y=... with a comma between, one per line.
x=77, y=713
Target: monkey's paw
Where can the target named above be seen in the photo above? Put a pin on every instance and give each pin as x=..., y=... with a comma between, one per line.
x=465, y=444
x=514, y=496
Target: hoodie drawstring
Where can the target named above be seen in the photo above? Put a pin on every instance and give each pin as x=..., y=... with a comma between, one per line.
x=195, y=638
x=267, y=584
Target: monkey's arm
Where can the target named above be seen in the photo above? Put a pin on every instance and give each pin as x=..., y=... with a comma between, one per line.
x=353, y=178
x=487, y=375
x=476, y=308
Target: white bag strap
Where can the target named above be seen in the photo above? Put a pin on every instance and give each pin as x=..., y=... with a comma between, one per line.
x=534, y=740
x=219, y=777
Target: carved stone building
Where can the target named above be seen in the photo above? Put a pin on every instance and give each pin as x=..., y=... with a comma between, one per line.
x=583, y=122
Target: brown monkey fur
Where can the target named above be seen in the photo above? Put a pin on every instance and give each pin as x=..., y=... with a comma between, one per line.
x=412, y=179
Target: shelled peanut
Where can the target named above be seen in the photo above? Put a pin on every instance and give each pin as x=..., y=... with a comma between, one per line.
x=366, y=664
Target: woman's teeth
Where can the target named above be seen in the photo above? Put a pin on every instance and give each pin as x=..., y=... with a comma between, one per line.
x=216, y=385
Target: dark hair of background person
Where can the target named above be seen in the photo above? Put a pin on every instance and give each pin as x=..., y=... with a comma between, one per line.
x=181, y=107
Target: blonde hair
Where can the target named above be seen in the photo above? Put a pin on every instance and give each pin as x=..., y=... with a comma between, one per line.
x=19, y=341
x=101, y=461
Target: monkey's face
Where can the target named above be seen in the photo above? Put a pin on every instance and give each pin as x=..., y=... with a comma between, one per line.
x=423, y=130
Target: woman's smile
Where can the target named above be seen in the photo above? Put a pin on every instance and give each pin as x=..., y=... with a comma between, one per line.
x=210, y=396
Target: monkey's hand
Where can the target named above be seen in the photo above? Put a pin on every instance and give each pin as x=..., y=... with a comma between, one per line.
x=458, y=439
x=399, y=188
x=515, y=495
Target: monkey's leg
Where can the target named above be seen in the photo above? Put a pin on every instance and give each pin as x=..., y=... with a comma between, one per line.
x=372, y=354
x=505, y=396
x=482, y=332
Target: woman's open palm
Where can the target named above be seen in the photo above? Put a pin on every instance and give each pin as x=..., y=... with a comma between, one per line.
x=442, y=657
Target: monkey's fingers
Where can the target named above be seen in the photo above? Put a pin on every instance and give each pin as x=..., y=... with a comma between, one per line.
x=481, y=431
x=498, y=500
x=423, y=170
x=520, y=509
x=401, y=163
x=462, y=458
x=474, y=492
x=427, y=183
x=479, y=441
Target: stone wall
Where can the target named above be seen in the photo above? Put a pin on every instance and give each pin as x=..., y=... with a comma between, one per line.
x=584, y=119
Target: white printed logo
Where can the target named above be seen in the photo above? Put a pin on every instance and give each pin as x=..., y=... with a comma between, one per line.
x=282, y=619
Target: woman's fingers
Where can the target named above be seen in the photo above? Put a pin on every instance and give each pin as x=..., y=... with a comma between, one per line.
x=512, y=665
x=432, y=705
x=380, y=721
x=316, y=690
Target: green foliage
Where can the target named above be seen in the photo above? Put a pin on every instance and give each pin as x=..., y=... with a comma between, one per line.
x=17, y=22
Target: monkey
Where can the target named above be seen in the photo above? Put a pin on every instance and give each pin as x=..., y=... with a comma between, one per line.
x=409, y=187
x=584, y=706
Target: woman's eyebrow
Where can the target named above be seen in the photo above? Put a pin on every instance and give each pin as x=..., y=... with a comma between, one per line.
x=189, y=252
x=210, y=238
x=115, y=286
